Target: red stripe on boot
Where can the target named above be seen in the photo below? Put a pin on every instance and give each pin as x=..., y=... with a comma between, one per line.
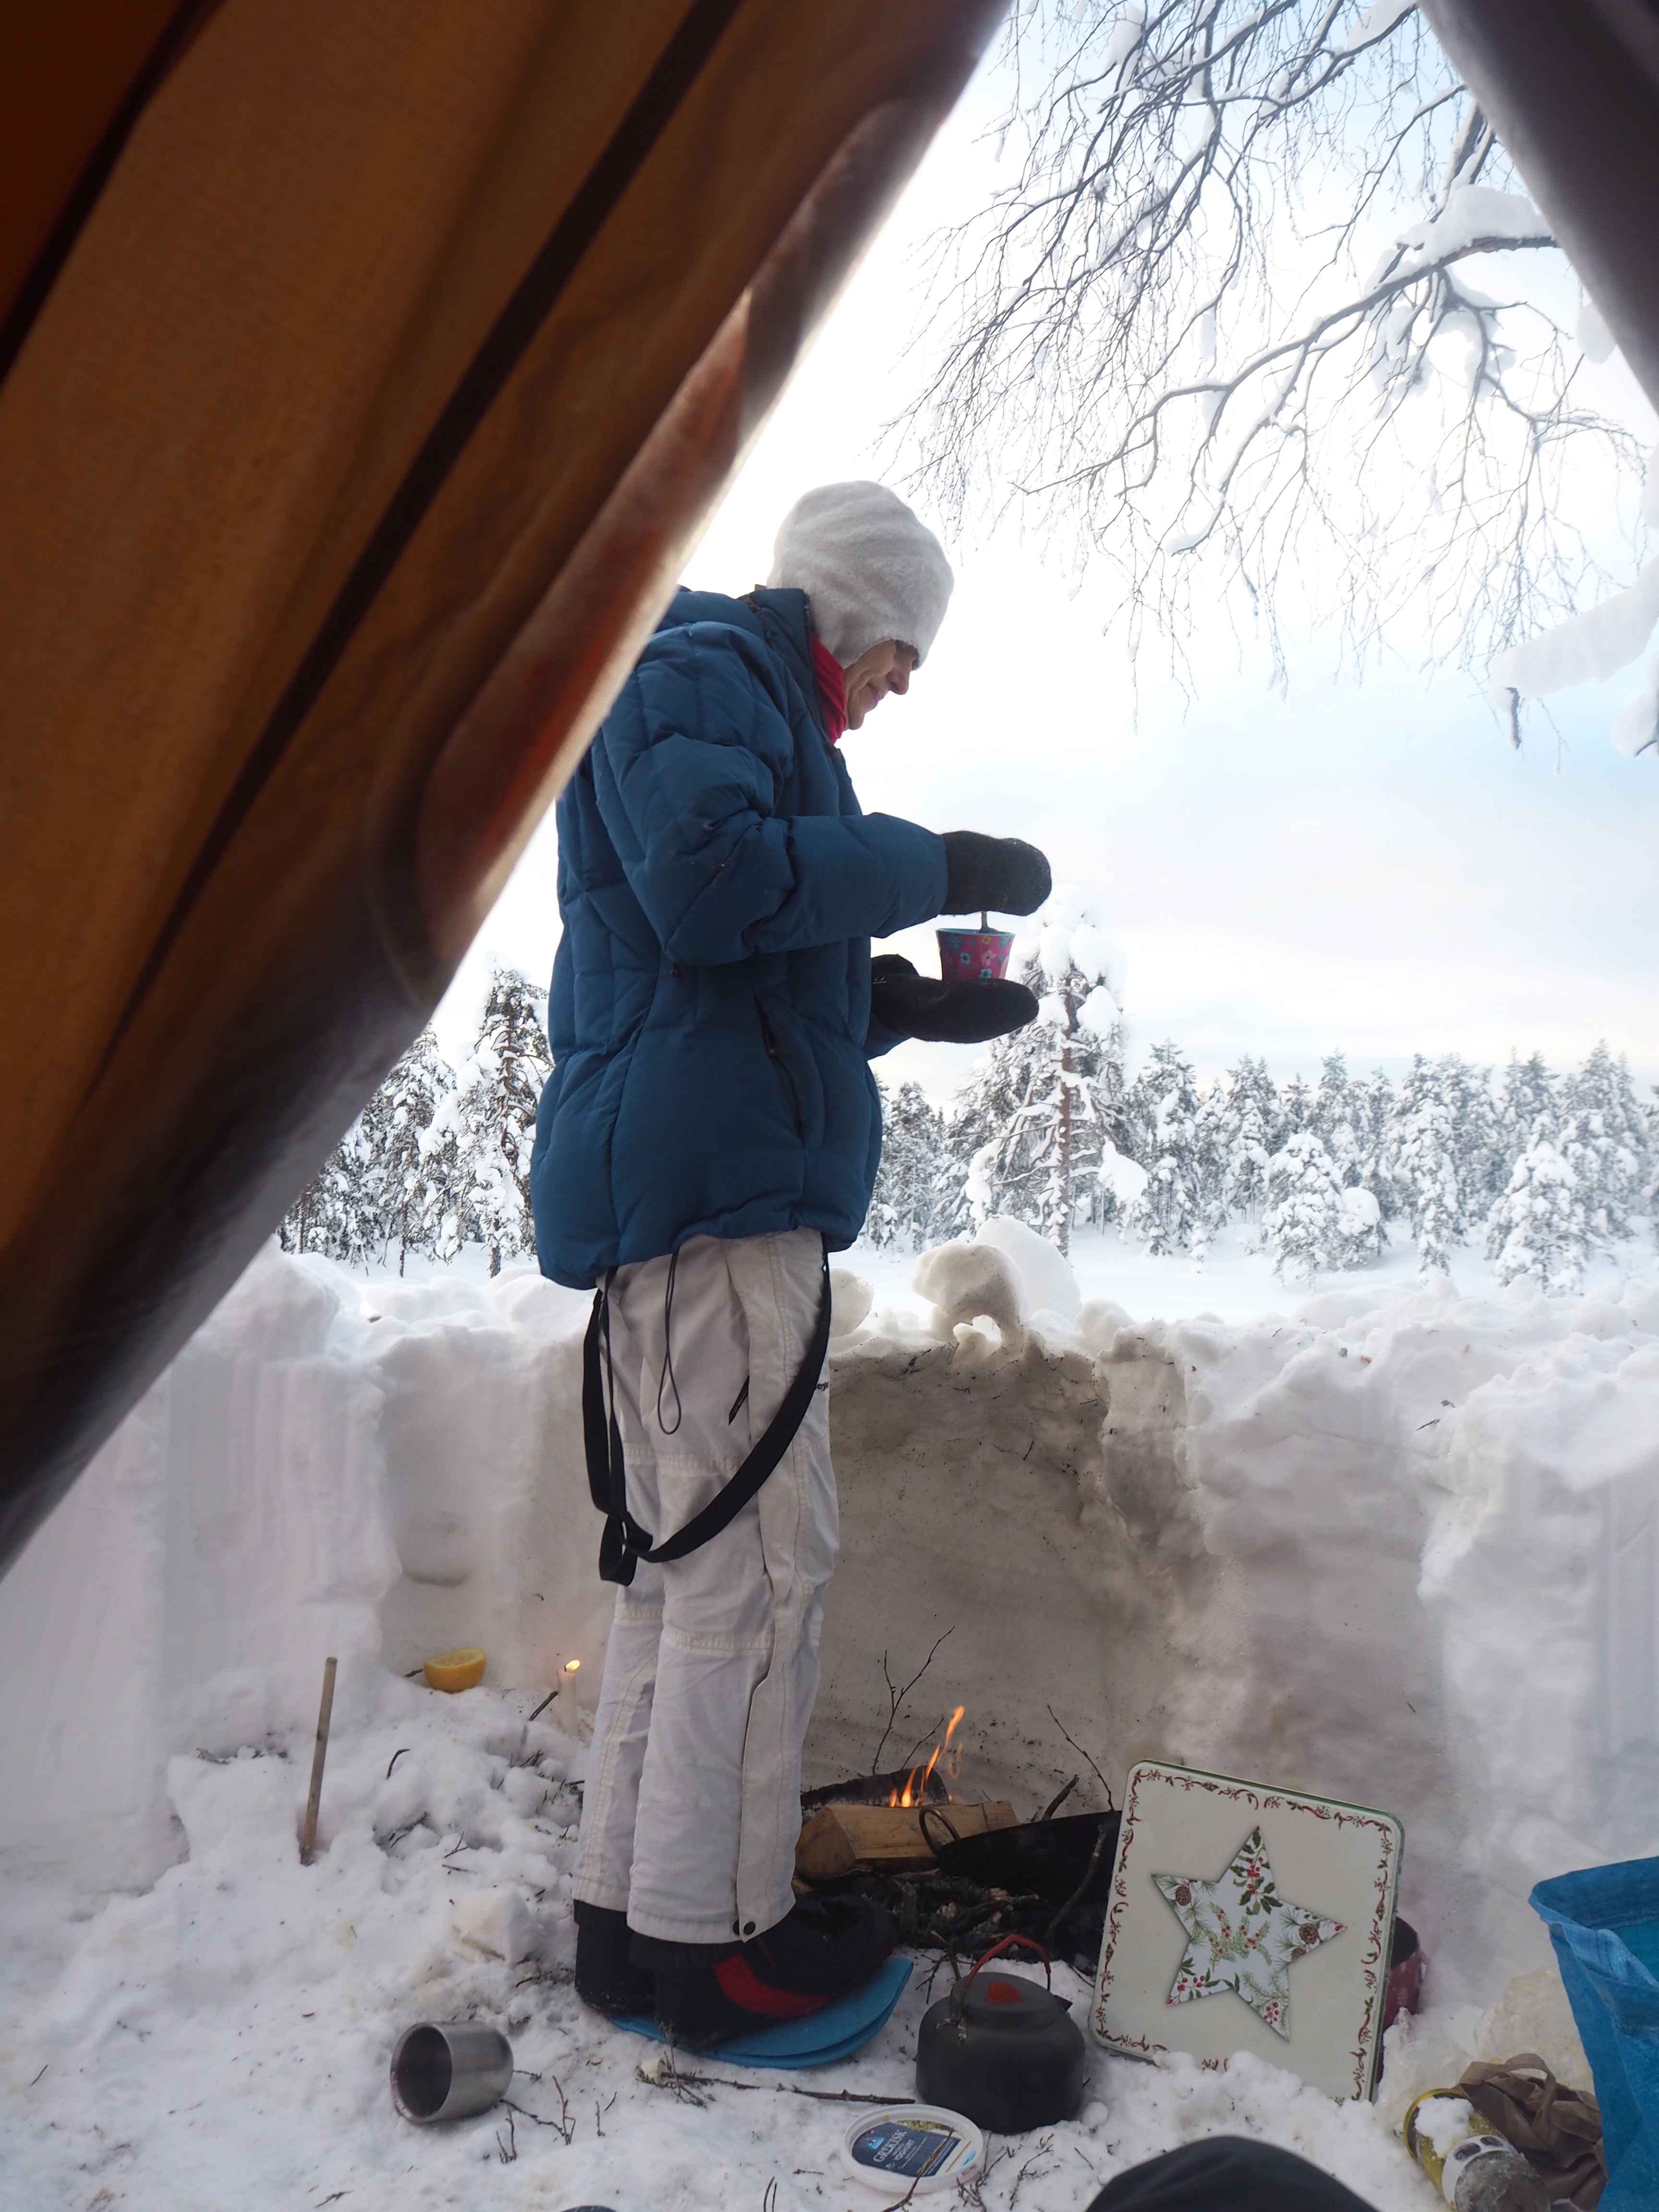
x=738, y=1979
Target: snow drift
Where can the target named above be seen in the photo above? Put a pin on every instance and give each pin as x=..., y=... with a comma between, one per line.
x=379, y=1476
x=1399, y=1545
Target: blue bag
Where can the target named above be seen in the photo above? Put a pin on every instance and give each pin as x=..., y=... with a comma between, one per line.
x=1604, y=1923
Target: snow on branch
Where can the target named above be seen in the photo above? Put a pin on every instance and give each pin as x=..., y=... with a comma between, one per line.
x=1596, y=644
x=1223, y=326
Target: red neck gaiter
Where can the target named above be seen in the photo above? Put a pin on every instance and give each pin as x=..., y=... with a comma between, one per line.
x=832, y=688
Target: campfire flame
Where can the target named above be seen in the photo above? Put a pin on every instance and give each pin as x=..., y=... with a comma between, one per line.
x=915, y=1792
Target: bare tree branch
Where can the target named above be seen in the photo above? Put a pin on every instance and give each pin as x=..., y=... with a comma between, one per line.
x=1163, y=335
x=896, y=1696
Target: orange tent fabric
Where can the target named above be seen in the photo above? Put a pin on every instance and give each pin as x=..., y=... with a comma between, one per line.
x=373, y=364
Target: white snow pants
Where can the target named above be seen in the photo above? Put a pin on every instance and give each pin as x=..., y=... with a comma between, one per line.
x=692, y=1805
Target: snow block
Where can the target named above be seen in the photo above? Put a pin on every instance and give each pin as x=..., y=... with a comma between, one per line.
x=1395, y=1546
x=497, y=1921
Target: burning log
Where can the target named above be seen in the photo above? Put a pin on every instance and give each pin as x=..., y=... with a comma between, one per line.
x=879, y=1790
x=847, y=1839
x=905, y=1786
x=891, y=1838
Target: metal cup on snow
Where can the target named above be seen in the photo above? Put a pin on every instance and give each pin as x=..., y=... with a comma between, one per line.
x=449, y=2070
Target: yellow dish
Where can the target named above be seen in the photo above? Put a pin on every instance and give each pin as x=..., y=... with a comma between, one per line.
x=455, y=1670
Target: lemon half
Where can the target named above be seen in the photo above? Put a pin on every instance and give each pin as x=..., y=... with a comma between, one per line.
x=456, y=1670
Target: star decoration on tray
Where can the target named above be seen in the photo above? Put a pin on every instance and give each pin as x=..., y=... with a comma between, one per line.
x=1241, y=1934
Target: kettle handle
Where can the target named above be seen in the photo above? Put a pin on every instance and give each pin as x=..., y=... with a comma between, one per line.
x=959, y=1994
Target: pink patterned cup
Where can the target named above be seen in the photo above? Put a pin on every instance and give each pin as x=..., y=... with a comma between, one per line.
x=974, y=956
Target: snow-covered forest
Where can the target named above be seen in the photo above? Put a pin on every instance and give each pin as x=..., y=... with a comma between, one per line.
x=1541, y=1167
x=1544, y=1167
x=439, y=1156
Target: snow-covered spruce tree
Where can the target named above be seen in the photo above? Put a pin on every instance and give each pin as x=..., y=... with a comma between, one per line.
x=1305, y=1227
x=1525, y=1090
x=906, y=1205
x=1044, y=1156
x=1440, y=1154
x=1163, y=1108
x=1614, y=1132
x=1370, y=1105
x=976, y=1123
x=1481, y=1164
x=1255, y=1127
x=1364, y=1231
x=337, y=1213
x=373, y=1188
x=1349, y=1117
x=1028, y=1132
x=1113, y=1171
x=405, y=1178
x=1331, y=1117
x=489, y=1121
x=327, y=1215
x=360, y=1227
x=1298, y=1097
x=1538, y=1228
x=1423, y=1164
x=1212, y=1138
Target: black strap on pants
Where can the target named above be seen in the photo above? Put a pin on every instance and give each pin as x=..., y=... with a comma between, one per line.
x=624, y=1543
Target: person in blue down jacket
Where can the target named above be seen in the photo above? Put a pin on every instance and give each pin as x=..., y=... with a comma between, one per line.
x=710, y=1133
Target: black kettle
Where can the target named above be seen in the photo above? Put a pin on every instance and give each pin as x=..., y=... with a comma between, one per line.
x=1004, y=2053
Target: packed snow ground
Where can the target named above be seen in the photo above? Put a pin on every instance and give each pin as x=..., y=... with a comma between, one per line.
x=223, y=2037
x=189, y=2018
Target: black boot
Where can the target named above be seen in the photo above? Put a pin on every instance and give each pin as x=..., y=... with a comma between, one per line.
x=606, y=1976
x=709, y=1992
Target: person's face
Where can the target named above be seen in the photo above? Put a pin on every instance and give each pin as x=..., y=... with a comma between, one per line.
x=883, y=668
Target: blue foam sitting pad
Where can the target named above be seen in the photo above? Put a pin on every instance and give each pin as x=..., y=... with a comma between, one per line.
x=822, y=2036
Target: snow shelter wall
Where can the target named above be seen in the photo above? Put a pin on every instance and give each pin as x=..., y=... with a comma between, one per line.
x=1399, y=1548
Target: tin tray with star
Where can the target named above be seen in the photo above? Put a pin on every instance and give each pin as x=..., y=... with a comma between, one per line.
x=1244, y=1918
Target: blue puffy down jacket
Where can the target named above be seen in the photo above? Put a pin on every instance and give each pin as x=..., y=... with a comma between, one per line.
x=710, y=1010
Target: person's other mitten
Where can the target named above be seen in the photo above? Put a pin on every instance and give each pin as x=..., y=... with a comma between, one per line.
x=910, y=1005
x=1000, y=875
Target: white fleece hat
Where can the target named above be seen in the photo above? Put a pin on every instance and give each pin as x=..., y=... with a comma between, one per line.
x=871, y=571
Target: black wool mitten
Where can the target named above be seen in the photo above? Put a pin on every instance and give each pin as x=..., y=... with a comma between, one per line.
x=915, y=1005
x=993, y=875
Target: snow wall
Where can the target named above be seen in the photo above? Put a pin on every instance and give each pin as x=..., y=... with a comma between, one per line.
x=1399, y=1548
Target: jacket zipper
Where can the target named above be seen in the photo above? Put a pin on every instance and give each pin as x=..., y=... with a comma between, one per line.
x=782, y=1066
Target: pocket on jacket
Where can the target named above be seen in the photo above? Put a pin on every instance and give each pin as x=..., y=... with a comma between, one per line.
x=797, y=1072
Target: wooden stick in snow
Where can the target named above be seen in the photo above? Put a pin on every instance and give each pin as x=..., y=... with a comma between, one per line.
x=325, y=1714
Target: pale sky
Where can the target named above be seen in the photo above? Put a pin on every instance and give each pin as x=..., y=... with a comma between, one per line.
x=1366, y=867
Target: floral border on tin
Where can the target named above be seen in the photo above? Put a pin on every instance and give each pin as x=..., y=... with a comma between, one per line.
x=1258, y=1800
